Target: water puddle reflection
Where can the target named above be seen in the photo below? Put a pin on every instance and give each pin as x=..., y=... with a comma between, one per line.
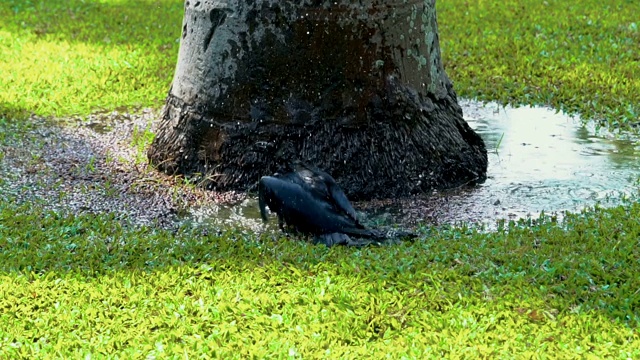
x=540, y=160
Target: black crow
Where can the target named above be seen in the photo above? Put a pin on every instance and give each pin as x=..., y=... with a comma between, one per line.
x=310, y=201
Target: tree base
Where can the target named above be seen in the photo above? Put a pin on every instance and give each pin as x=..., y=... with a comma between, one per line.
x=404, y=145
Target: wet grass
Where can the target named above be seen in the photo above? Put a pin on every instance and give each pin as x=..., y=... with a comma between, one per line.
x=81, y=284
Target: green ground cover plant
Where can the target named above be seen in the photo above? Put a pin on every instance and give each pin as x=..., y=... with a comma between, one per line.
x=579, y=57
x=89, y=285
x=83, y=285
x=74, y=57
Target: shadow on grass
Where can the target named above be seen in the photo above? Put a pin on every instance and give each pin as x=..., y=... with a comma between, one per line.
x=99, y=22
x=588, y=263
x=73, y=57
x=591, y=261
x=11, y=111
x=544, y=263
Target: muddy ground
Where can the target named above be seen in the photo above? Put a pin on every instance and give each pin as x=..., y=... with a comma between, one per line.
x=97, y=164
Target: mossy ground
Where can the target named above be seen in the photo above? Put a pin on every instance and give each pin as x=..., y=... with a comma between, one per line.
x=78, y=285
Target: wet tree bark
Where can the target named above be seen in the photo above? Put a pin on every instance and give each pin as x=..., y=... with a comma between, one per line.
x=354, y=87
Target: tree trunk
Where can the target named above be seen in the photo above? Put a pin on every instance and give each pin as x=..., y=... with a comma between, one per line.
x=354, y=87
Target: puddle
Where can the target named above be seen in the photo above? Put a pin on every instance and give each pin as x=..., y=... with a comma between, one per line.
x=539, y=160
x=245, y=214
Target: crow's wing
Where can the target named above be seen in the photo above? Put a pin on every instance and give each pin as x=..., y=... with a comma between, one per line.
x=341, y=201
x=325, y=185
x=300, y=208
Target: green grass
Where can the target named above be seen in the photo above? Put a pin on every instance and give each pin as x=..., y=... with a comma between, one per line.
x=73, y=57
x=141, y=140
x=78, y=285
x=577, y=56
